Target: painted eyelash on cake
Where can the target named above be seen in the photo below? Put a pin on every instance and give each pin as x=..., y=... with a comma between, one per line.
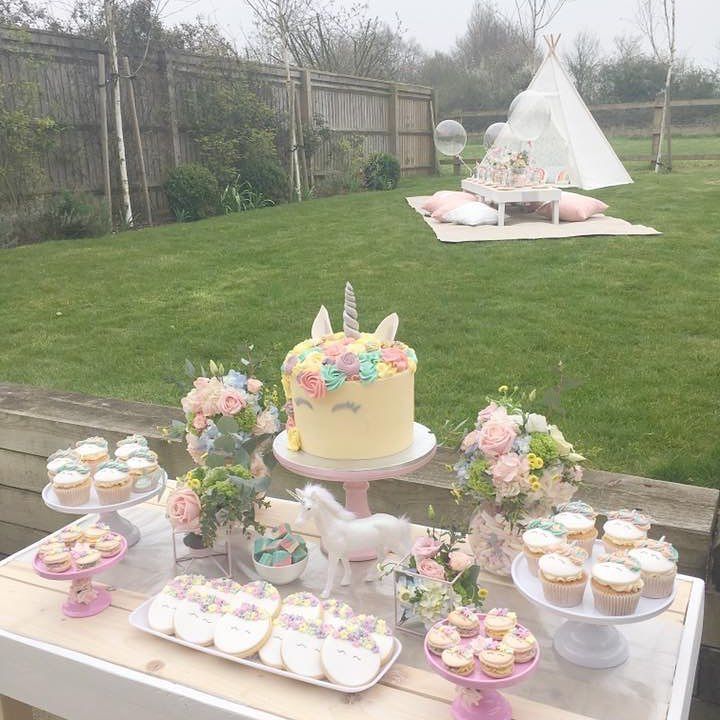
x=348, y=405
x=303, y=401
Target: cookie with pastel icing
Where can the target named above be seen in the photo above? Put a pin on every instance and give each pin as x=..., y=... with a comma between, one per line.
x=380, y=633
x=161, y=613
x=242, y=631
x=271, y=652
x=303, y=604
x=261, y=594
x=196, y=616
x=301, y=645
x=336, y=613
x=350, y=656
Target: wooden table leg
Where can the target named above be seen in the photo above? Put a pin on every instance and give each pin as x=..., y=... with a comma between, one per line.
x=556, y=212
x=501, y=214
x=11, y=709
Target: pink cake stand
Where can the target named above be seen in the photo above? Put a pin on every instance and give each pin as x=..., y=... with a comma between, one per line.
x=477, y=694
x=356, y=475
x=80, y=581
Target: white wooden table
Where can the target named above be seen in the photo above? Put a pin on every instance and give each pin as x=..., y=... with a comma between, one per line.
x=82, y=669
x=502, y=196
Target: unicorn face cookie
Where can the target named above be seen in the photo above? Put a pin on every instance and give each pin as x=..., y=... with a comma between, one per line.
x=271, y=652
x=161, y=613
x=242, y=631
x=301, y=646
x=303, y=604
x=196, y=617
x=381, y=634
x=261, y=594
x=350, y=656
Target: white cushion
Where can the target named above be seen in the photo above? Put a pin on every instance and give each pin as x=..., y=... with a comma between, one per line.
x=472, y=213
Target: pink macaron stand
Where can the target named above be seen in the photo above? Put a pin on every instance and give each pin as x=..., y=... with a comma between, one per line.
x=84, y=599
x=477, y=694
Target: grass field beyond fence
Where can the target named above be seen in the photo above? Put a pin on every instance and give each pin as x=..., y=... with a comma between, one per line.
x=633, y=319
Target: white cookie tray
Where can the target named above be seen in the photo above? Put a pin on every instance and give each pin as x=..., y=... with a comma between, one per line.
x=139, y=620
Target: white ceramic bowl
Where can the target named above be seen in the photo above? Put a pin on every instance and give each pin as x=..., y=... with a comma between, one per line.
x=281, y=575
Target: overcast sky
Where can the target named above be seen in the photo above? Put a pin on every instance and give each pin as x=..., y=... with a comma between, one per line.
x=436, y=23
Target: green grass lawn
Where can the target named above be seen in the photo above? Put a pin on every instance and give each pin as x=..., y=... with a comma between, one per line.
x=634, y=320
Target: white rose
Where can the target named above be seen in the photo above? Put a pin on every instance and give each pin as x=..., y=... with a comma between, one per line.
x=536, y=423
x=575, y=457
x=561, y=444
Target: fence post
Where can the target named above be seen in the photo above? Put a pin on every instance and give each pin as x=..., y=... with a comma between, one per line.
x=393, y=123
x=457, y=165
x=104, y=144
x=172, y=108
x=433, y=116
x=657, y=122
x=306, y=120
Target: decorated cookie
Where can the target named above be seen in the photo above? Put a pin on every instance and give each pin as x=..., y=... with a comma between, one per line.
x=95, y=532
x=350, y=656
x=109, y=545
x=499, y=621
x=303, y=604
x=336, y=613
x=161, y=613
x=262, y=594
x=442, y=637
x=271, y=652
x=58, y=562
x=243, y=630
x=465, y=621
x=459, y=660
x=496, y=659
x=84, y=556
x=70, y=535
x=49, y=547
x=196, y=617
x=301, y=645
x=226, y=588
x=378, y=629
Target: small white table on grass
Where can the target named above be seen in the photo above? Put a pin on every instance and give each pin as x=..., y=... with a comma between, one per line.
x=501, y=196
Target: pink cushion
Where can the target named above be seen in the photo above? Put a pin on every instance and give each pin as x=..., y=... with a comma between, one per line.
x=434, y=202
x=574, y=207
x=450, y=203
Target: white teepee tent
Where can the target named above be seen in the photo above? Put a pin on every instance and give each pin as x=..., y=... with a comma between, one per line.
x=572, y=143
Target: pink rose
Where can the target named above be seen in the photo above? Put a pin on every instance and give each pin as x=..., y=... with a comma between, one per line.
x=460, y=561
x=258, y=468
x=469, y=440
x=312, y=383
x=395, y=356
x=201, y=382
x=486, y=413
x=425, y=547
x=191, y=403
x=429, y=568
x=254, y=385
x=509, y=472
x=349, y=363
x=266, y=423
x=196, y=447
x=183, y=510
x=497, y=435
x=334, y=350
x=199, y=421
x=209, y=396
x=231, y=401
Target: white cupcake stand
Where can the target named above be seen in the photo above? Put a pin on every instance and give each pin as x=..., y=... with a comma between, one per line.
x=108, y=513
x=588, y=638
x=356, y=475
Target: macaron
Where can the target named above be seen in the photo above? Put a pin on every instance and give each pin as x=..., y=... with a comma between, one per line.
x=458, y=660
x=499, y=621
x=84, y=556
x=522, y=642
x=109, y=545
x=496, y=659
x=441, y=638
x=465, y=621
x=50, y=547
x=70, y=535
x=58, y=562
x=93, y=533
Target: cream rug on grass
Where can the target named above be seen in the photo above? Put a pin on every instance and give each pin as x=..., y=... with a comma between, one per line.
x=529, y=227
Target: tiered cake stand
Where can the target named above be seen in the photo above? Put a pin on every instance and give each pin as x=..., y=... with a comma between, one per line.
x=588, y=638
x=108, y=513
x=356, y=475
x=477, y=694
x=81, y=581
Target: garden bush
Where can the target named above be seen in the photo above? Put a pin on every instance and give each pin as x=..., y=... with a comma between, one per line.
x=381, y=172
x=192, y=192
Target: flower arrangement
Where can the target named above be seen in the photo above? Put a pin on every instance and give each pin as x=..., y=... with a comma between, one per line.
x=518, y=161
x=228, y=415
x=206, y=499
x=515, y=465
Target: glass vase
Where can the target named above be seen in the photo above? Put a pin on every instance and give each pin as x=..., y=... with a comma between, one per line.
x=189, y=548
x=495, y=543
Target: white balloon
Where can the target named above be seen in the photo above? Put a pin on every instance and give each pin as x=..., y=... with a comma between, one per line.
x=450, y=137
x=529, y=115
x=491, y=134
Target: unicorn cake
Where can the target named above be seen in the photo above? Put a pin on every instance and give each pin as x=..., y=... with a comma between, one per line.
x=350, y=394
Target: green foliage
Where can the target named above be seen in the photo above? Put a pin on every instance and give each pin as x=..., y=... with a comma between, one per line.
x=543, y=446
x=239, y=196
x=192, y=192
x=381, y=172
x=347, y=160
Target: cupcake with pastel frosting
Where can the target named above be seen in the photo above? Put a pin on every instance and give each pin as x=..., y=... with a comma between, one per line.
x=562, y=575
x=57, y=461
x=143, y=465
x=658, y=567
x=541, y=536
x=578, y=518
x=625, y=529
x=129, y=445
x=112, y=482
x=72, y=484
x=616, y=584
x=92, y=451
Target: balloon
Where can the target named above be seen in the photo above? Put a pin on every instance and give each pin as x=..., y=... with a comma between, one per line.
x=450, y=137
x=529, y=115
x=491, y=134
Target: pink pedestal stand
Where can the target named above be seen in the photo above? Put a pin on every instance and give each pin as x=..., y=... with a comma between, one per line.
x=81, y=581
x=356, y=475
x=477, y=694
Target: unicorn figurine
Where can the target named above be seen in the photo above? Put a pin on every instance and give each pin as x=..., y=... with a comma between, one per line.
x=343, y=533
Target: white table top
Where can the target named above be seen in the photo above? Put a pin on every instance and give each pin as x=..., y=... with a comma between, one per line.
x=544, y=193
x=655, y=683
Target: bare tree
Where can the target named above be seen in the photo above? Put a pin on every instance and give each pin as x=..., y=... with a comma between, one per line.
x=657, y=21
x=534, y=16
x=583, y=61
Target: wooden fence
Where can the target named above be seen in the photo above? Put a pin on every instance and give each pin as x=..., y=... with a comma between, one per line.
x=66, y=72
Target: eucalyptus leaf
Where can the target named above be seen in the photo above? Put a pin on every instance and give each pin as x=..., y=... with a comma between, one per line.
x=224, y=443
x=227, y=424
x=241, y=456
x=262, y=483
x=215, y=460
x=190, y=369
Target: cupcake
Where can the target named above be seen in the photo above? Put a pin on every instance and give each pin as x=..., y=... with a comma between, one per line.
x=541, y=536
x=93, y=533
x=84, y=556
x=112, y=482
x=578, y=518
x=465, y=621
x=442, y=637
x=72, y=484
x=624, y=529
x=58, y=562
x=70, y=535
x=658, y=567
x=562, y=575
x=109, y=545
x=92, y=451
x=458, y=660
x=143, y=465
x=129, y=445
x=616, y=584
x=498, y=622
x=522, y=642
x=58, y=460
x=496, y=659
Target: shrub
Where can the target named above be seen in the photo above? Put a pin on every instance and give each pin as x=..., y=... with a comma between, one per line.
x=347, y=161
x=381, y=172
x=239, y=196
x=192, y=192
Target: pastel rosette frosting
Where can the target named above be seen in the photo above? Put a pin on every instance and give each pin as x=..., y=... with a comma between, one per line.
x=312, y=383
x=348, y=363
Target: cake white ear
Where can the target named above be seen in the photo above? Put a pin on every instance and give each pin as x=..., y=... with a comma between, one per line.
x=321, y=325
x=387, y=329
